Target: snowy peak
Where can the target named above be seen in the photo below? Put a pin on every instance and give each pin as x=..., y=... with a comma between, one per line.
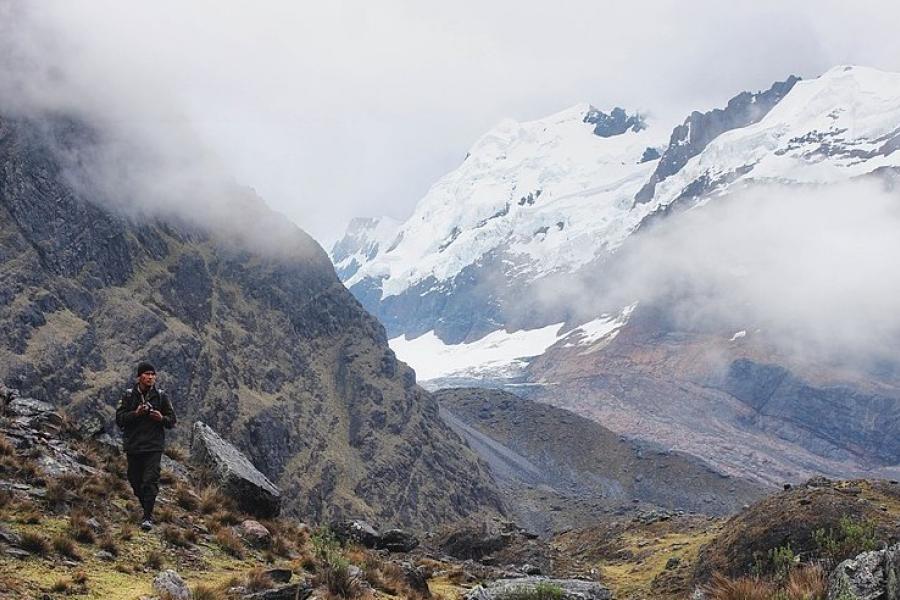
x=699, y=129
x=364, y=239
x=532, y=189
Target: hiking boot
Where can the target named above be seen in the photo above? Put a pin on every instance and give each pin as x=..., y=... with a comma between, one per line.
x=146, y=524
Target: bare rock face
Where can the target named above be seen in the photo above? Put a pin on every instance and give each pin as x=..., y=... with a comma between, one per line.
x=234, y=473
x=869, y=576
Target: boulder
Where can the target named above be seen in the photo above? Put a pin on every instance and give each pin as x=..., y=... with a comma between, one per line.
x=169, y=584
x=416, y=578
x=279, y=575
x=255, y=534
x=234, y=473
x=869, y=576
x=295, y=591
x=355, y=530
x=397, y=540
x=568, y=589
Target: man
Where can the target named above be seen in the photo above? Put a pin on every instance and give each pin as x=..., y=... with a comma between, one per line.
x=144, y=414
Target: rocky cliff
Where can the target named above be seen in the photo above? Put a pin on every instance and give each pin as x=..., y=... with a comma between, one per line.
x=259, y=340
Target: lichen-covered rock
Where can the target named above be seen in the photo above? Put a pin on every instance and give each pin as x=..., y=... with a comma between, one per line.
x=869, y=576
x=169, y=584
x=564, y=589
x=255, y=533
x=234, y=473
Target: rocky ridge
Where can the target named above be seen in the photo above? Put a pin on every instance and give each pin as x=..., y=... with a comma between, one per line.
x=259, y=340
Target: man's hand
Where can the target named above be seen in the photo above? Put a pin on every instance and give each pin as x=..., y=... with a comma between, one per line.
x=142, y=409
x=156, y=415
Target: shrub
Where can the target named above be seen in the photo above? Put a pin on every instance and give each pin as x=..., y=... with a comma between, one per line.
x=850, y=538
x=333, y=569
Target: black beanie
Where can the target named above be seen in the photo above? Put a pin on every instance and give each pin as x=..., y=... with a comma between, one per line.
x=143, y=367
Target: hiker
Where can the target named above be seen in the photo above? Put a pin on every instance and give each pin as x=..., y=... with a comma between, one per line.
x=144, y=414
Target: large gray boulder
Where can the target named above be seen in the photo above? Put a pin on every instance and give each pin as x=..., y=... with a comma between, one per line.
x=869, y=576
x=169, y=584
x=568, y=589
x=234, y=473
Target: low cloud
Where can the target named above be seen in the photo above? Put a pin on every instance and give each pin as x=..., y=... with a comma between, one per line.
x=814, y=269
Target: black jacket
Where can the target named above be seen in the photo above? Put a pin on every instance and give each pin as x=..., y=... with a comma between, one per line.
x=141, y=433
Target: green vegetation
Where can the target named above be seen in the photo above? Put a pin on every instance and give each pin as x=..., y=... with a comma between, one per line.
x=848, y=540
x=542, y=591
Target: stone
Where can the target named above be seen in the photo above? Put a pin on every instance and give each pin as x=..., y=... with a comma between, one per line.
x=169, y=584
x=416, y=578
x=104, y=555
x=397, y=540
x=234, y=473
x=255, y=534
x=18, y=553
x=530, y=569
x=570, y=589
x=869, y=576
x=355, y=530
x=296, y=591
x=279, y=575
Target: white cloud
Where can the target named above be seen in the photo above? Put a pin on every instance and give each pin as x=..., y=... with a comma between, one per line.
x=331, y=110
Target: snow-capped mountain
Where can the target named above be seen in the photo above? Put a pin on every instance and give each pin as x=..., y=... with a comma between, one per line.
x=551, y=196
x=465, y=285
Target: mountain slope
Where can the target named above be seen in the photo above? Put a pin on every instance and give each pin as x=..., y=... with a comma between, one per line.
x=260, y=340
x=562, y=471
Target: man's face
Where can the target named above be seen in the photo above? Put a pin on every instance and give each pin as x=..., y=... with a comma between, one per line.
x=147, y=378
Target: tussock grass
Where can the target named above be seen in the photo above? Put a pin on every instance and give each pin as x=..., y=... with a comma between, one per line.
x=34, y=543
x=66, y=547
x=230, y=542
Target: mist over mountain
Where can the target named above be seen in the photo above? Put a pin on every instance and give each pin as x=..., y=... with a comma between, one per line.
x=726, y=279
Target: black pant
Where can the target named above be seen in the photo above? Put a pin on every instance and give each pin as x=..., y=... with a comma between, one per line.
x=143, y=475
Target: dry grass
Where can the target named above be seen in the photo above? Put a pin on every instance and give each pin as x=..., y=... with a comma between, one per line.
x=205, y=592
x=126, y=533
x=230, y=542
x=212, y=500
x=176, y=453
x=109, y=544
x=34, y=543
x=186, y=498
x=155, y=560
x=6, y=447
x=807, y=583
x=80, y=530
x=257, y=580
x=174, y=535
x=66, y=547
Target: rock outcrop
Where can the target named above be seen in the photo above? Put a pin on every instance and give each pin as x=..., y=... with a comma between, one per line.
x=532, y=587
x=869, y=576
x=233, y=473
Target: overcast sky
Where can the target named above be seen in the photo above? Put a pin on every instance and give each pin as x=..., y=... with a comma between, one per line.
x=336, y=109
